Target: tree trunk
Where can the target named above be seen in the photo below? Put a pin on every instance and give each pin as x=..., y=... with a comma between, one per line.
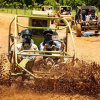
x=32, y=4
x=87, y=2
x=7, y=9
x=16, y=9
x=12, y=6
x=62, y=2
x=24, y=7
x=57, y=1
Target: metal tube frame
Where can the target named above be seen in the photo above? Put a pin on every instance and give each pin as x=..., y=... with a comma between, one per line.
x=63, y=54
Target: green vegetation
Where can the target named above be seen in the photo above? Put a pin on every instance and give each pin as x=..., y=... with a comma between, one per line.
x=26, y=6
x=19, y=11
x=28, y=11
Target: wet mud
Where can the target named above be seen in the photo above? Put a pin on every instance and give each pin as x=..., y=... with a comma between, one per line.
x=82, y=79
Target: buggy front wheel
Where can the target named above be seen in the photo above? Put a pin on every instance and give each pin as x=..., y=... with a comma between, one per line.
x=78, y=30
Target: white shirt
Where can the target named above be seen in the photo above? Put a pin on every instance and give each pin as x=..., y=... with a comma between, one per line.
x=19, y=47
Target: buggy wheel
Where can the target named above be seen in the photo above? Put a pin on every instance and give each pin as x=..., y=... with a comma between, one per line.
x=98, y=28
x=78, y=30
x=5, y=68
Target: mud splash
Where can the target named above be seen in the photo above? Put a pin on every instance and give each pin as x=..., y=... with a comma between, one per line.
x=83, y=79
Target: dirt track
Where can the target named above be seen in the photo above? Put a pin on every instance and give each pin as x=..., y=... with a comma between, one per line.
x=87, y=49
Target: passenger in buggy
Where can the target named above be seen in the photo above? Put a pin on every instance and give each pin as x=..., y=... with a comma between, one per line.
x=26, y=44
x=88, y=16
x=93, y=16
x=51, y=45
x=49, y=42
x=65, y=12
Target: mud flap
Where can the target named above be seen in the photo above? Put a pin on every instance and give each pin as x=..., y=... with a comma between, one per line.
x=23, y=63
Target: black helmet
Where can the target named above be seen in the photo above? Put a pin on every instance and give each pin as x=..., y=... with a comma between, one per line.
x=47, y=35
x=46, y=32
x=83, y=11
x=93, y=11
x=26, y=32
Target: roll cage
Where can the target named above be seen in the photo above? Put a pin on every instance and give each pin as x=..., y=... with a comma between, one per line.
x=63, y=54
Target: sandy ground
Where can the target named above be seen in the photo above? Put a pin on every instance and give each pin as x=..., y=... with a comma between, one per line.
x=87, y=49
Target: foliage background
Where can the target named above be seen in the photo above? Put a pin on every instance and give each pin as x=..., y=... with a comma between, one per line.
x=38, y=3
x=26, y=6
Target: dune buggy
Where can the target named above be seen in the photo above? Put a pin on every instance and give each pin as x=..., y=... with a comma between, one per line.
x=65, y=12
x=9, y=65
x=84, y=22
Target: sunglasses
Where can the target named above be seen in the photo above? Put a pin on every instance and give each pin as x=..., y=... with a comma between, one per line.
x=48, y=35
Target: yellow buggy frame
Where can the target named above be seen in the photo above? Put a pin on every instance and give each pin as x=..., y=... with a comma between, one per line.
x=11, y=59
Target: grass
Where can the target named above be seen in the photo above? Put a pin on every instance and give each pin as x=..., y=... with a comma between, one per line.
x=28, y=12
x=19, y=11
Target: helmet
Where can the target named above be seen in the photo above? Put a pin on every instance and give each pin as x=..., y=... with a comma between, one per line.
x=93, y=11
x=47, y=35
x=83, y=11
x=47, y=32
x=26, y=32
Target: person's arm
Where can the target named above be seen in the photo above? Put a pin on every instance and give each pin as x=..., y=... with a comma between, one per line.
x=19, y=48
x=45, y=47
x=41, y=47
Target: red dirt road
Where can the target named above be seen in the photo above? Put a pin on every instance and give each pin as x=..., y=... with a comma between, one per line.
x=87, y=49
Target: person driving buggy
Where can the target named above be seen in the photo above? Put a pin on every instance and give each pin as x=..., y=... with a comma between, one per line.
x=26, y=44
x=49, y=44
x=93, y=15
